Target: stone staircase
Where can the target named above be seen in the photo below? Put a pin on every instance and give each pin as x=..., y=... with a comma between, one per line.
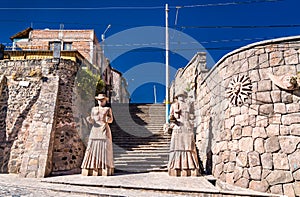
x=138, y=139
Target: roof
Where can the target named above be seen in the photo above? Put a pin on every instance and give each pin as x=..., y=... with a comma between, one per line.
x=22, y=34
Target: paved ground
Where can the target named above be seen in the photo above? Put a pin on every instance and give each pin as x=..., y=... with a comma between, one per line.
x=144, y=185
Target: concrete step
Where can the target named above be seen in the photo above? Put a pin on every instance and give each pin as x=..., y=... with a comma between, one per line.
x=139, y=141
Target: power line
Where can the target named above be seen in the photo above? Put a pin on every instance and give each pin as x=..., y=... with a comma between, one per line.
x=137, y=7
x=229, y=3
x=240, y=26
x=87, y=8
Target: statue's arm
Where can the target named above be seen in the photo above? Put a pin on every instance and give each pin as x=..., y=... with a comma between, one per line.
x=109, y=118
x=90, y=118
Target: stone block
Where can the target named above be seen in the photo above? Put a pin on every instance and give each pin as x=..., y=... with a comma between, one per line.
x=242, y=159
x=291, y=56
x=238, y=173
x=247, y=131
x=219, y=146
x=254, y=159
x=276, y=189
x=254, y=76
x=288, y=190
x=218, y=170
x=263, y=97
x=275, y=119
x=233, y=145
x=229, y=167
x=264, y=85
x=259, y=132
x=272, y=144
x=291, y=119
x=276, y=96
x=242, y=182
x=296, y=186
x=263, y=60
x=286, y=97
x=246, y=173
x=253, y=109
x=246, y=144
x=236, y=132
x=295, y=129
x=262, y=121
x=276, y=58
x=264, y=73
x=280, y=161
x=284, y=130
x=216, y=159
x=259, y=145
x=280, y=108
x=266, y=109
x=229, y=178
x=255, y=172
x=229, y=122
x=242, y=120
x=253, y=62
x=296, y=175
x=261, y=186
x=294, y=160
x=265, y=173
x=279, y=177
x=288, y=144
x=272, y=130
x=292, y=107
x=225, y=156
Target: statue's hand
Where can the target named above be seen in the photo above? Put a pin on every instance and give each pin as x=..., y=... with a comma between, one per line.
x=90, y=120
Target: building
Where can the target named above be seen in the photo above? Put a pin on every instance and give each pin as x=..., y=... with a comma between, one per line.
x=83, y=41
x=81, y=46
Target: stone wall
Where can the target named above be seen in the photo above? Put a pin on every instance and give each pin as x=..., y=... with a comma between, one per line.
x=186, y=78
x=38, y=128
x=119, y=92
x=252, y=141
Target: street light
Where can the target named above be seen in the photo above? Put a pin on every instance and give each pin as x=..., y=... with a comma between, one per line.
x=103, y=34
x=103, y=39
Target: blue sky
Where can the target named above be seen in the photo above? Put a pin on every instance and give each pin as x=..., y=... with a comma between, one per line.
x=214, y=26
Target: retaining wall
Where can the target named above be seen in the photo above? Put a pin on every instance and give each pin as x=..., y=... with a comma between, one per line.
x=256, y=143
x=39, y=125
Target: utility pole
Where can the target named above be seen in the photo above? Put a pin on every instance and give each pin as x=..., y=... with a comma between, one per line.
x=154, y=89
x=167, y=66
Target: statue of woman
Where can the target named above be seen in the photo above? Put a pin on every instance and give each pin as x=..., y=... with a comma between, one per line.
x=98, y=158
x=183, y=160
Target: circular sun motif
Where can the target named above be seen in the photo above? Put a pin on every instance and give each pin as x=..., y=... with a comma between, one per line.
x=239, y=89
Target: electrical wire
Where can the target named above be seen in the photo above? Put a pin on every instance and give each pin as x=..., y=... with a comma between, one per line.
x=241, y=26
x=230, y=3
x=137, y=7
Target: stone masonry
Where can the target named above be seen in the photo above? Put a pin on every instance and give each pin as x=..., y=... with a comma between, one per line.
x=255, y=144
x=38, y=128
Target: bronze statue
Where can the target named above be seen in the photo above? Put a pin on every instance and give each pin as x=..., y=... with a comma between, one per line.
x=98, y=158
x=183, y=160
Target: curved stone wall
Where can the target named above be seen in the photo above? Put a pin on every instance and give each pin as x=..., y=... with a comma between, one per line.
x=256, y=143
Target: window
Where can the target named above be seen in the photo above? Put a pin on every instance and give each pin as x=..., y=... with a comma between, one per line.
x=67, y=46
x=51, y=46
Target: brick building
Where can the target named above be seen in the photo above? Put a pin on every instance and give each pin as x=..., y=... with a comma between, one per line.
x=77, y=45
x=83, y=41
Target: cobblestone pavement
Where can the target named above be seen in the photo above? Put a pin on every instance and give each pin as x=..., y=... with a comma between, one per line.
x=13, y=186
x=8, y=190
x=137, y=185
